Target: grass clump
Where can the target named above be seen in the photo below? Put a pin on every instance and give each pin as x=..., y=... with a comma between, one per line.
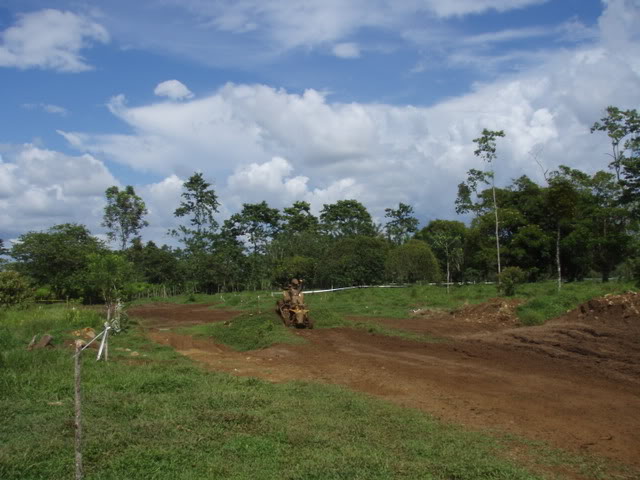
x=247, y=332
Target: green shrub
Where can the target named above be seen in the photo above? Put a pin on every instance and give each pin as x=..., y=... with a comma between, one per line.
x=14, y=290
x=44, y=293
x=510, y=277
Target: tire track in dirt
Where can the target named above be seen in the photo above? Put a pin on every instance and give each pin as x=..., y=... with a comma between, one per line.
x=487, y=379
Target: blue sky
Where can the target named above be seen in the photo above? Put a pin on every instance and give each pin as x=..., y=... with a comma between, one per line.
x=320, y=100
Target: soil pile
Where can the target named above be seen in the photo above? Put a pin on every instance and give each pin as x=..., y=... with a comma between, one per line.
x=603, y=335
x=491, y=316
x=495, y=313
x=168, y=315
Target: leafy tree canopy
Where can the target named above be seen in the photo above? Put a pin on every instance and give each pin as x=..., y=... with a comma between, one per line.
x=57, y=257
x=346, y=218
x=298, y=218
x=414, y=261
x=402, y=223
x=123, y=214
x=199, y=203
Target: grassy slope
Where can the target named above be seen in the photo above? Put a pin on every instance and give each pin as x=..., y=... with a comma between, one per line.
x=542, y=300
x=159, y=416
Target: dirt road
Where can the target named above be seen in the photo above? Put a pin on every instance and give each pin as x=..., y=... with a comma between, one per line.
x=573, y=383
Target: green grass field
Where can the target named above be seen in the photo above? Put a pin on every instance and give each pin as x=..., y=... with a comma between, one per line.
x=158, y=415
x=542, y=301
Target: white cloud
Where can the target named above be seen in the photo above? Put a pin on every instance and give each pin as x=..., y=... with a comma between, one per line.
x=346, y=50
x=508, y=35
x=261, y=143
x=161, y=198
x=50, y=39
x=447, y=8
x=47, y=107
x=241, y=31
x=40, y=187
x=173, y=89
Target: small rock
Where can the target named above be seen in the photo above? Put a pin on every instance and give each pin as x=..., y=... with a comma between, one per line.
x=135, y=354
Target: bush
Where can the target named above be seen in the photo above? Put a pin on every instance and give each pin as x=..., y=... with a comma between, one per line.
x=14, y=290
x=412, y=262
x=510, y=277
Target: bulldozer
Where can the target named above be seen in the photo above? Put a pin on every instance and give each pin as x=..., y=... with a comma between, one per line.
x=291, y=307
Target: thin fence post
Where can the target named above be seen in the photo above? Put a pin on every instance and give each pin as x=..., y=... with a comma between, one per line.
x=78, y=410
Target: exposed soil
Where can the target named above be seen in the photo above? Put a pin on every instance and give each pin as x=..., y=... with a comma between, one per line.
x=573, y=383
x=167, y=315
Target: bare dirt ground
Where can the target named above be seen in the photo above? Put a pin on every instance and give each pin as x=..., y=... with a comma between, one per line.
x=573, y=383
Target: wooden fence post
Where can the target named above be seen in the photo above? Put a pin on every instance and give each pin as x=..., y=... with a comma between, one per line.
x=78, y=410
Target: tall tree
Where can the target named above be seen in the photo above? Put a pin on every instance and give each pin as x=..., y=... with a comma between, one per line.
x=57, y=257
x=486, y=150
x=402, y=223
x=298, y=218
x=623, y=129
x=3, y=251
x=346, y=218
x=619, y=125
x=446, y=238
x=411, y=262
x=354, y=260
x=562, y=204
x=257, y=224
x=199, y=203
x=123, y=214
x=157, y=265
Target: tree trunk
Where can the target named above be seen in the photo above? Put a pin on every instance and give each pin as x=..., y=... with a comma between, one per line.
x=558, y=258
x=495, y=210
x=448, y=275
x=605, y=273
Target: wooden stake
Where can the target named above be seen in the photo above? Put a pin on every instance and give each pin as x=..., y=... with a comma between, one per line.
x=78, y=410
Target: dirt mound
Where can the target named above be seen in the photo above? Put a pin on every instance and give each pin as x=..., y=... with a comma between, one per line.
x=494, y=315
x=602, y=336
x=618, y=312
x=499, y=312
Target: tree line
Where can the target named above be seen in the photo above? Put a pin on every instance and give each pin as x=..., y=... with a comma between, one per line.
x=573, y=225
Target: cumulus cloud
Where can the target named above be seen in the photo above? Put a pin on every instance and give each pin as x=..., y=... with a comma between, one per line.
x=274, y=180
x=40, y=187
x=173, y=89
x=50, y=39
x=260, y=142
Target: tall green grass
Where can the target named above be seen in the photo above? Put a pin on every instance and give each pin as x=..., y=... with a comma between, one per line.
x=159, y=416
